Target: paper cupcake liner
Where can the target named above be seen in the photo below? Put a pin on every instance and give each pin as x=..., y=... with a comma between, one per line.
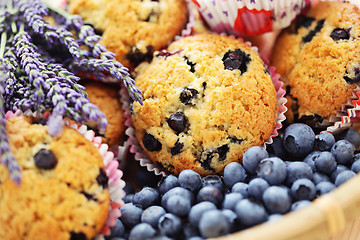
x=115, y=183
x=249, y=17
x=145, y=161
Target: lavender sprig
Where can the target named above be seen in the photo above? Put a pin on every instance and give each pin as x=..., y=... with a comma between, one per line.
x=7, y=158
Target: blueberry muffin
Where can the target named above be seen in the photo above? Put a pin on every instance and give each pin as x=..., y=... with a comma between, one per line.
x=63, y=193
x=318, y=58
x=134, y=29
x=107, y=98
x=207, y=99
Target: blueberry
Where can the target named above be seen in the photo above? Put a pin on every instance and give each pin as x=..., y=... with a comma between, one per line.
x=276, y=148
x=339, y=169
x=213, y=224
x=178, y=205
x=275, y=216
x=168, y=183
x=187, y=95
x=45, y=159
x=169, y=225
x=177, y=122
x=299, y=205
x=273, y=170
x=343, y=177
x=231, y=217
x=324, y=141
x=102, y=178
x=324, y=187
x=179, y=191
x=303, y=21
x=340, y=34
x=195, y=238
x=178, y=147
x=276, y=199
x=142, y=231
x=355, y=167
x=241, y=188
x=299, y=140
x=234, y=172
x=297, y=170
x=151, y=143
x=320, y=177
x=252, y=158
x=118, y=230
x=130, y=215
x=190, y=180
x=231, y=200
x=350, y=135
x=213, y=180
x=198, y=210
x=211, y=194
x=128, y=198
x=146, y=197
x=250, y=212
x=257, y=187
x=312, y=33
x=191, y=64
x=303, y=189
x=236, y=60
x=355, y=78
x=325, y=162
x=343, y=151
x=310, y=159
x=152, y=214
x=190, y=230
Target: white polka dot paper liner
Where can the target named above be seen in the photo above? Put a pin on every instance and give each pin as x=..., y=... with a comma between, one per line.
x=249, y=17
x=115, y=183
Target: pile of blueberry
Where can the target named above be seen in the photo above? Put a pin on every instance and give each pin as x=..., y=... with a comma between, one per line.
x=298, y=167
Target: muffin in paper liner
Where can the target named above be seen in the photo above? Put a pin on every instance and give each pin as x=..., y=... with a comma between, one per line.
x=145, y=161
x=115, y=183
x=249, y=17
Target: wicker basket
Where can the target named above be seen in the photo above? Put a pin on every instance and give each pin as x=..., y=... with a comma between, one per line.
x=333, y=216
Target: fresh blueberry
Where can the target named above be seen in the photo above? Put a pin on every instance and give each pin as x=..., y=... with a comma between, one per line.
x=325, y=162
x=128, y=198
x=297, y=170
x=352, y=136
x=195, y=238
x=231, y=217
x=146, y=197
x=45, y=159
x=169, y=225
x=241, y=188
x=277, y=200
x=252, y=158
x=151, y=143
x=234, y=172
x=177, y=191
x=250, y=212
x=152, y=214
x=320, y=177
x=190, y=230
x=299, y=140
x=130, y=215
x=299, y=204
x=178, y=205
x=340, y=34
x=324, y=187
x=339, y=169
x=213, y=180
x=343, y=177
x=142, y=231
x=355, y=167
x=118, y=230
x=275, y=216
x=273, y=170
x=213, y=224
x=303, y=189
x=177, y=122
x=211, y=194
x=343, y=152
x=198, y=210
x=231, y=200
x=257, y=187
x=310, y=159
x=324, y=141
x=276, y=148
x=168, y=183
x=190, y=180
